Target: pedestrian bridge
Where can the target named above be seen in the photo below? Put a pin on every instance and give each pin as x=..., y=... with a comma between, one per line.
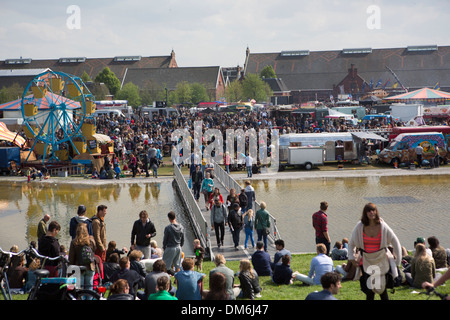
x=200, y=217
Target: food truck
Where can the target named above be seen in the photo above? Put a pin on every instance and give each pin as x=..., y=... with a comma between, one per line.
x=402, y=148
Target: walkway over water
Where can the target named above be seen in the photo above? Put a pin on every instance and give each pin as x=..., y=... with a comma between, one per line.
x=200, y=218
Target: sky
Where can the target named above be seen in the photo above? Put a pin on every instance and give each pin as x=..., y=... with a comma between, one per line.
x=214, y=32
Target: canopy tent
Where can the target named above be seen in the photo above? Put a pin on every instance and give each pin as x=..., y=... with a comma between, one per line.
x=13, y=137
x=421, y=95
x=333, y=114
x=371, y=98
x=42, y=103
x=368, y=135
x=102, y=138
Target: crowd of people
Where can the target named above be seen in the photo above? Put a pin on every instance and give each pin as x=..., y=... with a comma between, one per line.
x=136, y=273
x=134, y=138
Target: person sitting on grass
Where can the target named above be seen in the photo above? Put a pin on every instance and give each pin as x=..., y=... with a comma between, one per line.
x=282, y=273
x=331, y=283
x=162, y=293
x=320, y=265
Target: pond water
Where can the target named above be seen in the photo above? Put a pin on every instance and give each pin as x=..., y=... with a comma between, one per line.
x=412, y=205
x=22, y=205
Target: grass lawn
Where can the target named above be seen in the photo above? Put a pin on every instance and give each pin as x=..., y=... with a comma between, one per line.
x=298, y=291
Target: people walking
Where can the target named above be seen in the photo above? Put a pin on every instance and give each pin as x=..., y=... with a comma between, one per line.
x=196, y=181
x=262, y=224
x=249, y=222
x=235, y=223
x=207, y=188
x=219, y=215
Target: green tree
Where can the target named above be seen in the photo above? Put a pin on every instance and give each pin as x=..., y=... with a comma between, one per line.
x=255, y=88
x=152, y=92
x=233, y=92
x=182, y=92
x=198, y=93
x=130, y=92
x=85, y=77
x=109, y=79
x=268, y=72
x=13, y=92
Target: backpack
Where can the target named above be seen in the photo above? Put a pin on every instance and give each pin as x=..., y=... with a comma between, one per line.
x=87, y=255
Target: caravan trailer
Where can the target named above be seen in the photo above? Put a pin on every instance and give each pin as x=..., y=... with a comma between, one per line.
x=338, y=146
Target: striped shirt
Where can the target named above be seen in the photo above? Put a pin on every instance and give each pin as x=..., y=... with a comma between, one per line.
x=372, y=244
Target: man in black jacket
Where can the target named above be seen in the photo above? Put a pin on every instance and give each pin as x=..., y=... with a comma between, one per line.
x=196, y=180
x=141, y=234
x=49, y=246
x=235, y=223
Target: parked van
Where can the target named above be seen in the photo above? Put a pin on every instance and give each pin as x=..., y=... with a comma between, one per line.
x=338, y=146
x=402, y=148
x=109, y=112
x=151, y=113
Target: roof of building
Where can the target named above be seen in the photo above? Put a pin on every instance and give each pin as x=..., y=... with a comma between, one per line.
x=415, y=66
x=93, y=66
x=170, y=77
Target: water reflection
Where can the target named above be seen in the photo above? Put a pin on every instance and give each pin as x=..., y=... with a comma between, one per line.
x=412, y=205
x=22, y=205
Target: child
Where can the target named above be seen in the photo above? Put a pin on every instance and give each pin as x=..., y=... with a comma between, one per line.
x=117, y=171
x=199, y=253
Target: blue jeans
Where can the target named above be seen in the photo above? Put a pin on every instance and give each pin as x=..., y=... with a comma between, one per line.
x=87, y=279
x=249, y=234
x=262, y=236
x=249, y=172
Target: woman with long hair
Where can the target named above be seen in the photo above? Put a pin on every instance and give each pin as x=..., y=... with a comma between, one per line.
x=81, y=253
x=371, y=237
x=250, y=288
x=217, y=287
x=249, y=223
x=423, y=268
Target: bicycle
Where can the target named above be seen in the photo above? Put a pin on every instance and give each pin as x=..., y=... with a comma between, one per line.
x=65, y=287
x=5, y=259
x=432, y=291
x=66, y=283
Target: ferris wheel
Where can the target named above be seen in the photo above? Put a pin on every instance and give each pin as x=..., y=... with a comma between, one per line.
x=55, y=105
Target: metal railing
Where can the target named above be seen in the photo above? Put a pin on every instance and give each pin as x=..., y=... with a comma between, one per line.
x=198, y=221
x=228, y=182
x=75, y=169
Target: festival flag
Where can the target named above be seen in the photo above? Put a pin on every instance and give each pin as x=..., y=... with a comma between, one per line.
x=437, y=87
x=395, y=85
x=364, y=86
x=378, y=83
x=371, y=84
x=387, y=82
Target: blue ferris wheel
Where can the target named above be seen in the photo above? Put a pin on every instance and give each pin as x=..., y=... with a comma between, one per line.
x=54, y=107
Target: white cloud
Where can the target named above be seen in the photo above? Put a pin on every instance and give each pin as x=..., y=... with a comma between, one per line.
x=215, y=32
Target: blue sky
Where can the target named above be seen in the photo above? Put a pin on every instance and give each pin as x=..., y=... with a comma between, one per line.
x=214, y=32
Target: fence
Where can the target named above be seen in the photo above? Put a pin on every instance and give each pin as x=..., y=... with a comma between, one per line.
x=228, y=182
x=71, y=170
x=198, y=221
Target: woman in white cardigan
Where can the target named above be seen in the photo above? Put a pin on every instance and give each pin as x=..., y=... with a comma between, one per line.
x=373, y=236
